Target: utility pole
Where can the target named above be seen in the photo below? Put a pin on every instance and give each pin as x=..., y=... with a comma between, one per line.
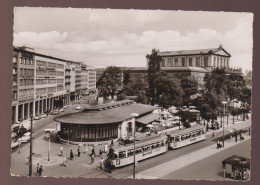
x=30, y=157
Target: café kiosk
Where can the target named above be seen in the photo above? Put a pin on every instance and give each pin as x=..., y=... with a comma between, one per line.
x=240, y=167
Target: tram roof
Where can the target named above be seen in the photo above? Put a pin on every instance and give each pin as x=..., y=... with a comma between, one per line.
x=180, y=132
x=141, y=142
x=115, y=114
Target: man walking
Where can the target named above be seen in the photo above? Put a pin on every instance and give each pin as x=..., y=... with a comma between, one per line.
x=37, y=168
x=40, y=171
x=79, y=151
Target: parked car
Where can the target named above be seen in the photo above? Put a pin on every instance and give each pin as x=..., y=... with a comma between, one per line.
x=37, y=117
x=61, y=110
x=14, y=144
x=65, y=106
x=78, y=107
x=50, y=131
x=43, y=115
x=13, y=135
x=55, y=112
x=25, y=138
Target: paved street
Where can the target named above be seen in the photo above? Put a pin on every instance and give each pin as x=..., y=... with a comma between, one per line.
x=211, y=167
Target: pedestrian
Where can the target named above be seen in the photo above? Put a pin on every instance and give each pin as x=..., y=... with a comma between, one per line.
x=112, y=142
x=102, y=163
x=65, y=163
x=106, y=148
x=93, y=151
x=61, y=150
x=213, y=134
x=78, y=151
x=92, y=158
x=37, y=168
x=100, y=152
x=218, y=145
x=40, y=170
x=71, y=155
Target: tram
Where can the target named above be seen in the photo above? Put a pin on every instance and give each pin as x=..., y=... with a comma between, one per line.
x=181, y=138
x=144, y=148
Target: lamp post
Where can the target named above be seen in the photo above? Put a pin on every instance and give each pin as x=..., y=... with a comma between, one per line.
x=30, y=157
x=134, y=115
x=224, y=103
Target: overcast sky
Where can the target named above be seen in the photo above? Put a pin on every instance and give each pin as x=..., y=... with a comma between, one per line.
x=103, y=37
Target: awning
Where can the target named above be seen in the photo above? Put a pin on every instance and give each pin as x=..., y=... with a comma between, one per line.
x=238, y=161
x=147, y=118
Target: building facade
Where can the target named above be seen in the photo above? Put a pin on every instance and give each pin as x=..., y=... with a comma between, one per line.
x=42, y=83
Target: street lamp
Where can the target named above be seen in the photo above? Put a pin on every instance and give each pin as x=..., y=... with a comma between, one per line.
x=134, y=115
x=224, y=103
x=30, y=157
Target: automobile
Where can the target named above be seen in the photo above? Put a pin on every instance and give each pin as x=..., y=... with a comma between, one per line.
x=13, y=135
x=14, y=144
x=78, y=107
x=25, y=138
x=61, y=110
x=43, y=115
x=65, y=106
x=37, y=117
x=55, y=112
x=15, y=127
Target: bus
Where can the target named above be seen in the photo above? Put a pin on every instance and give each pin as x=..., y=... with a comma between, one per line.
x=181, y=138
x=145, y=147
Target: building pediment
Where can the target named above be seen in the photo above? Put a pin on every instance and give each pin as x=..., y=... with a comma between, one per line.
x=222, y=52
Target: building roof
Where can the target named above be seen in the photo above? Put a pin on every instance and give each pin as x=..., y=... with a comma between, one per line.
x=238, y=161
x=147, y=118
x=173, y=69
x=193, y=52
x=112, y=115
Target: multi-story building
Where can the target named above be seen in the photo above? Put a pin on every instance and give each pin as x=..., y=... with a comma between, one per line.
x=50, y=89
x=42, y=83
x=92, y=80
x=23, y=83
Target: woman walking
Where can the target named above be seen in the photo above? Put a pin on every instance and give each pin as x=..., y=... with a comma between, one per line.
x=71, y=155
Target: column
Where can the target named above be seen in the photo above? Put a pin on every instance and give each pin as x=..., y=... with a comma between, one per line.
x=49, y=106
x=16, y=114
x=33, y=108
x=22, y=114
x=46, y=105
x=38, y=107
x=42, y=106
x=28, y=111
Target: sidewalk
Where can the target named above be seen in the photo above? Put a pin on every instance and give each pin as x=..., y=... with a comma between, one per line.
x=185, y=160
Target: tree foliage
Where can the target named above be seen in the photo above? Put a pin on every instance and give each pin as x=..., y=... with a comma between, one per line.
x=153, y=67
x=189, y=86
x=110, y=82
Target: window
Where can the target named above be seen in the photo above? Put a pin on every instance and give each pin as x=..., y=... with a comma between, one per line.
x=205, y=61
x=183, y=62
x=176, y=62
x=190, y=61
x=198, y=62
x=170, y=62
x=163, y=62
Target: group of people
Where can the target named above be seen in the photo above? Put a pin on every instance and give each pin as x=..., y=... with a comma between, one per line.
x=39, y=169
x=92, y=152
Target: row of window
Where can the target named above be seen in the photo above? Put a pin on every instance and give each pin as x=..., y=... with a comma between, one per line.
x=14, y=95
x=26, y=82
x=178, y=62
x=48, y=81
x=142, y=149
x=60, y=73
x=25, y=61
x=220, y=62
x=26, y=72
x=25, y=93
x=187, y=135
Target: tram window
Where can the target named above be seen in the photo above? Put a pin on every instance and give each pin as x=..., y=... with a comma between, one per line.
x=198, y=133
x=202, y=131
x=183, y=137
x=177, y=139
x=158, y=144
x=130, y=152
x=122, y=154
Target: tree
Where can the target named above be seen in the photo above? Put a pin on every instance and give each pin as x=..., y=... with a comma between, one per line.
x=236, y=83
x=110, y=81
x=153, y=67
x=189, y=86
x=168, y=91
x=126, y=77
